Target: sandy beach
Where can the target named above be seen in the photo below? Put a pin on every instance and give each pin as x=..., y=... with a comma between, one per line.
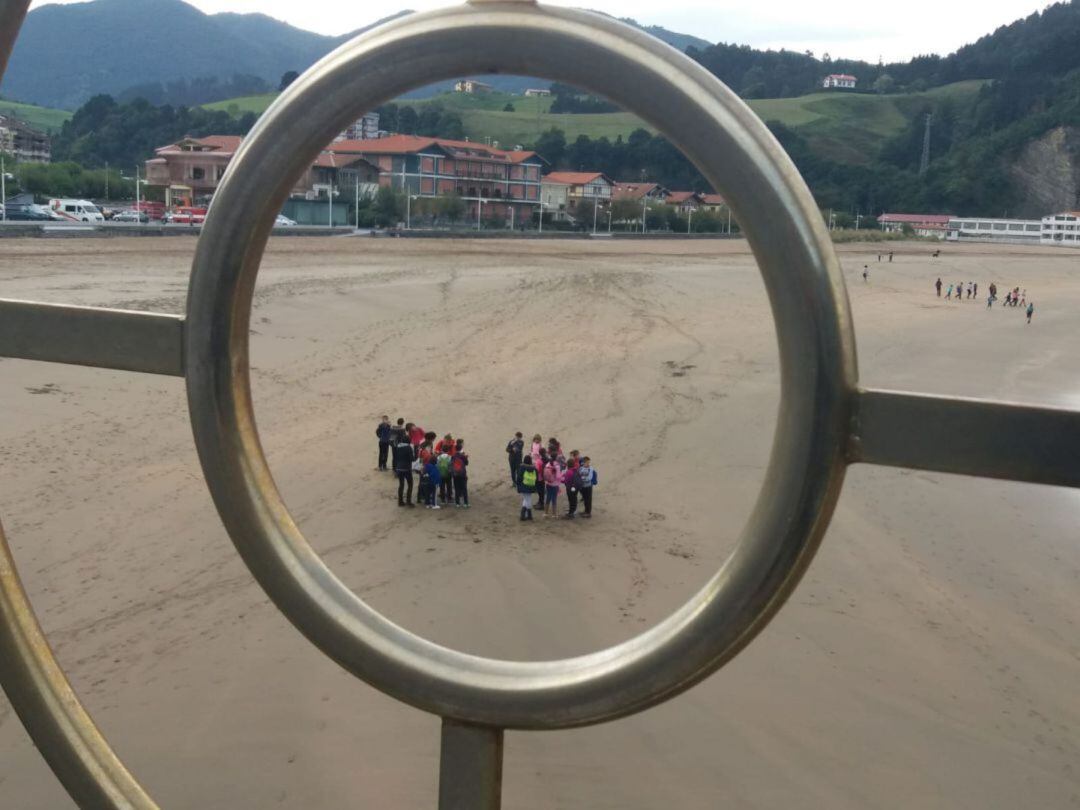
x=929, y=659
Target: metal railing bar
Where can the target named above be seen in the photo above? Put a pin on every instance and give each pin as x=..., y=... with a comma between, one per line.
x=124, y=340
x=1038, y=445
x=470, y=767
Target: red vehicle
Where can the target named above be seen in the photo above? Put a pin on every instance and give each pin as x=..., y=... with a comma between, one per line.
x=187, y=216
x=155, y=210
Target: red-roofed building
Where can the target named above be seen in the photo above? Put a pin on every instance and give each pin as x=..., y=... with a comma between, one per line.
x=191, y=169
x=639, y=192
x=584, y=186
x=841, y=80
x=685, y=201
x=503, y=184
x=921, y=224
x=713, y=202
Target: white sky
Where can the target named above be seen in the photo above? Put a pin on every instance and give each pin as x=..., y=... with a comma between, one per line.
x=843, y=28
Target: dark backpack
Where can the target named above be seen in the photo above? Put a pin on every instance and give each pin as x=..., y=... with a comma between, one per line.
x=457, y=464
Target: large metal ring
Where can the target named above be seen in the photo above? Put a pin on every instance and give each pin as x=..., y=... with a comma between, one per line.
x=736, y=153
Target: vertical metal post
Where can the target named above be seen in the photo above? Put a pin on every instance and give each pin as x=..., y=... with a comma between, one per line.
x=470, y=767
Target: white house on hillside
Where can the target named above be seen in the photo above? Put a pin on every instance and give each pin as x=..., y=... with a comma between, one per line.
x=842, y=80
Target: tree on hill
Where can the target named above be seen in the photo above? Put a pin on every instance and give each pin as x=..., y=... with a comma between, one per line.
x=288, y=78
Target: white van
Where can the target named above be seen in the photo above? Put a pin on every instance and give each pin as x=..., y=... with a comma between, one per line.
x=77, y=210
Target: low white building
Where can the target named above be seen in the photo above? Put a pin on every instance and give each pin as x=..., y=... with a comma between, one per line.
x=1061, y=229
x=537, y=91
x=473, y=87
x=841, y=80
x=1008, y=231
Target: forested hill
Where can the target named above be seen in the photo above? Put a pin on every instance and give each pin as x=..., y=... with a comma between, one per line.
x=169, y=52
x=1044, y=44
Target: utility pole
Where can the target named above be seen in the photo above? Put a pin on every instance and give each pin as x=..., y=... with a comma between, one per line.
x=330, y=197
x=408, y=211
x=138, y=199
x=689, y=219
x=479, y=206
x=609, y=219
x=3, y=189
x=358, y=200
x=594, y=204
x=541, y=213
x=728, y=221
x=644, y=209
x=924, y=164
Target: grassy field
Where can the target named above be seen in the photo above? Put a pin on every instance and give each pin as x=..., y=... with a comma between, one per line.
x=42, y=118
x=848, y=127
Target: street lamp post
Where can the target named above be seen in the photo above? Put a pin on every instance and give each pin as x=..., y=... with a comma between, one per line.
x=479, y=206
x=541, y=213
x=644, y=209
x=594, y=210
x=358, y=201
x=689, y=219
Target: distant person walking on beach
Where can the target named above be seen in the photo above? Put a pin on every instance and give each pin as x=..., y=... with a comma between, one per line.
x=948, y=293
x=890, y=257
x=1030, y=311
x=969, y=290
x=937, y=286
x=975, y=290
x=865, y=272
x=526, y=486
x=514, y=450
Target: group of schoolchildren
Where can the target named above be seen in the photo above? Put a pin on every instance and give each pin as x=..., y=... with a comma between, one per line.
x=1013, y=298
x=442, y=465
x=545, y=471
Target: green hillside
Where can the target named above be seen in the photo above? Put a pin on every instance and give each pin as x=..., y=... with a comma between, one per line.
x=43, y=118
x=846, y=127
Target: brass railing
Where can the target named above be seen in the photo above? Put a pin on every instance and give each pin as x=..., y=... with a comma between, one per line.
x=826, y=421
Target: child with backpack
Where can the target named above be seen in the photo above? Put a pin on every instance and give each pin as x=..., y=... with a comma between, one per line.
x=446, y=486
x=526, y=486
x=459, y=464
x=586, y=480
x=570, y=479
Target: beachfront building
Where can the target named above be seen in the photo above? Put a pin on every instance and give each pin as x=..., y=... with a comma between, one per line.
x=843, y=81
x=637, y=192
x=929, y=225
x=684, y=201
x=713, y=203
x=1061, y=229
x=1006, y=231
x=473, y=87
x=556, y=197
x=494, y=183
x=584, y=186
x=191, y=169
x=23, y=142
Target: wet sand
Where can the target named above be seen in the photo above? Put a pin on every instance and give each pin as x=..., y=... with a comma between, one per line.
x=928, y=659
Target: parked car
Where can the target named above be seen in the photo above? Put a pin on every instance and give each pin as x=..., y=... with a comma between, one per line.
x=24, y=213
x=283, y=221
x=131, y=215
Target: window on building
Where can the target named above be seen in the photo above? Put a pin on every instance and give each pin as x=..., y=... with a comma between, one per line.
x=984, y=226
x=1031, y=227
x=999, y=226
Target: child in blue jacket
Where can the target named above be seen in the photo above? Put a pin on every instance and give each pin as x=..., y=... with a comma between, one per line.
x=434, y=478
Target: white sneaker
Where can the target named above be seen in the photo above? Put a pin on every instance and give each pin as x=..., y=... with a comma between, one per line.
x=436, y=506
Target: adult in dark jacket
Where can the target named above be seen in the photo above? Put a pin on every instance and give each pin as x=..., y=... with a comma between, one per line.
x=514, y=448
x=403, y=459
x=384, y=433
x=527, y=476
